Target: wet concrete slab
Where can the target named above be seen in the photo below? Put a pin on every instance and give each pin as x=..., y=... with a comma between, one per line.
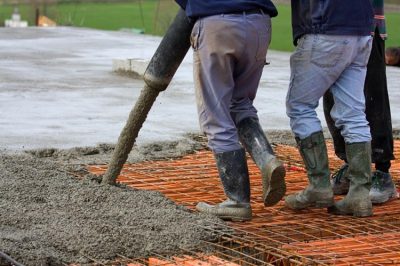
x=57, y=89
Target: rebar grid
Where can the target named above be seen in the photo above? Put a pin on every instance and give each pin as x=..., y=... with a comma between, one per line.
x=276, y=235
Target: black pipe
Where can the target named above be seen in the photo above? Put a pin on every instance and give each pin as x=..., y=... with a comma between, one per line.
x=158, y=75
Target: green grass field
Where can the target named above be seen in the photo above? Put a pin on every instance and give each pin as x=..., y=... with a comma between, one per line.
x=281, y=30
x=105, y=16
x=143, y=15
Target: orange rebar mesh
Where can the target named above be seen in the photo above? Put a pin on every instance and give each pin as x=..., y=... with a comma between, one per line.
x=276, y=235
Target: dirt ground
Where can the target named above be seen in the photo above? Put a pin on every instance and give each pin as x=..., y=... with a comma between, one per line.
x=54, y=212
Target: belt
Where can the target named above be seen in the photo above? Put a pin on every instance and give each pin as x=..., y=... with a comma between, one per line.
x=248, y=12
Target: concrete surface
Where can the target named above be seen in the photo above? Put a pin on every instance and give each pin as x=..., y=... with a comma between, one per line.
x=58, y=89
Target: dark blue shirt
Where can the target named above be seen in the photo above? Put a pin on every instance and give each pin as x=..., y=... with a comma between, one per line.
x=203, y=8
x=331, y=17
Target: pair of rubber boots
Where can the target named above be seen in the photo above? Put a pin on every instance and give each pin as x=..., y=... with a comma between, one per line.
x=234, y=175
x=319, y=192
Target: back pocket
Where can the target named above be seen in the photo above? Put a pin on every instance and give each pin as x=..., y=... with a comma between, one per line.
x=327, y=51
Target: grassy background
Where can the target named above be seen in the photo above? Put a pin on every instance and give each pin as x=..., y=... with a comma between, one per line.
x=106, y=16
x=154, y=16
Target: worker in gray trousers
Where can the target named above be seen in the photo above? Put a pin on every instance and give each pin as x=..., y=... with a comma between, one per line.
x=230, y=41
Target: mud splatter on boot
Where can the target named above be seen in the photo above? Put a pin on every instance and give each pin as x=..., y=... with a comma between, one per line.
x=234, y=175
x=272, y=170
x=357, y=201
x=319, y=192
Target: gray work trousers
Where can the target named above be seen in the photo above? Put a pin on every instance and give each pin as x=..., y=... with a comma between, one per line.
x=329, y=62
x=229, y=56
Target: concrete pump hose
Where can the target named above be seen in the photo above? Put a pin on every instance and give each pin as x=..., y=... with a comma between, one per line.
x=9, y=259
x=158, y=75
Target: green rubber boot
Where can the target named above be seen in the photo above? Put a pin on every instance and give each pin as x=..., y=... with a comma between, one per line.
x=234, y=175
x=357, y=201
x=319, y=192
x=272, y=170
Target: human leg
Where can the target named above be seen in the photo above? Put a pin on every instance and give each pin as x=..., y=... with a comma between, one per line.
x=337, y=138
x=247, y=75
x=339, y=181
x=349, y=115
x=377, y=105
x=345, y=106
x=315, y=66
x=214, y=85
x=379, y=117
x=238, y=53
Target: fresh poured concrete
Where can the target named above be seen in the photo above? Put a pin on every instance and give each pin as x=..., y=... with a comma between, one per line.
x=58, y=89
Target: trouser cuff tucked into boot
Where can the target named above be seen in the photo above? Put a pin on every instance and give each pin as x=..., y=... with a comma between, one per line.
x=357, y=201
x=234, y=175
x=319, y=192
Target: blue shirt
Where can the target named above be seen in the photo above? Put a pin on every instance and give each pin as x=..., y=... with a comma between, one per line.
x=331, y=17
x=203, y=8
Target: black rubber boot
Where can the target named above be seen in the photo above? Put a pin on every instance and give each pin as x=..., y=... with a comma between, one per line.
x=272, y=170
x=233, y=171
x=319, y=192
x=357, y=201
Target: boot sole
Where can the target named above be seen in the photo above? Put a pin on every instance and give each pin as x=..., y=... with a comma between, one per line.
x=274, y=186
x=366, y=213
x=316, y=204
x=235, y=219
x=360, y=213
x=229, y=214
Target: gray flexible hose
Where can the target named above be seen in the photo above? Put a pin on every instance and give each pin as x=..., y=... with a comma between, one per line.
x=9, y=259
